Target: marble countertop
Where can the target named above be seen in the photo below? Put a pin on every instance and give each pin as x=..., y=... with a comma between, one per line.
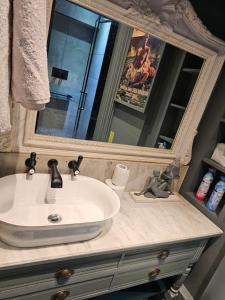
x=137, y=224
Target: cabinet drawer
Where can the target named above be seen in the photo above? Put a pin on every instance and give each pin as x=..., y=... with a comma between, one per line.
x=75, y=291
x=52, y=275
x=131, y=276
x=161, y=254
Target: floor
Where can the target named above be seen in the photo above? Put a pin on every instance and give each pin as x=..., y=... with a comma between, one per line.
x=149, y=291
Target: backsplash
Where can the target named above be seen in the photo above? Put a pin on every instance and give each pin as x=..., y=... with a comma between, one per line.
x=97, y=168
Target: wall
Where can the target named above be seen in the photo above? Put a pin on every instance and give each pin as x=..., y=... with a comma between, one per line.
x=216, y=288
x=69, y=48
x=212, y=15
x=100, y=169
x=72, y=37
x=75, y=11
x=70, y=42
x=127, y=125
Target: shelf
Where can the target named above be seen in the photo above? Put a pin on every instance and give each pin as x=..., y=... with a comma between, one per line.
x=177, y=106
x=166, y=139
x=214, y=164
x=190, y=196
x=192, y=71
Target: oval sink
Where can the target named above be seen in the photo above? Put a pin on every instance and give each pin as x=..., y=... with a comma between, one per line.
x=33, y=214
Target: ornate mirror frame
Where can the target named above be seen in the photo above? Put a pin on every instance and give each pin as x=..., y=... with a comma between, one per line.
x=170, y=20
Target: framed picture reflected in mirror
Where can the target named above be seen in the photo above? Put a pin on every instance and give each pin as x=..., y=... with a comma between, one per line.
x=140, y=68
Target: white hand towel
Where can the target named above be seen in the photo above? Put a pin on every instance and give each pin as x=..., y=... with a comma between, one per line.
x=30, y=85
x=4, y=65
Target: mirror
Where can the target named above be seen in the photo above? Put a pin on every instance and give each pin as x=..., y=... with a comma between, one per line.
x=152, y=81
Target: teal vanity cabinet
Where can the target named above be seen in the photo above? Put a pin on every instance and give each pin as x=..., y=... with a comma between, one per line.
x=146, y=242
x=88, y=276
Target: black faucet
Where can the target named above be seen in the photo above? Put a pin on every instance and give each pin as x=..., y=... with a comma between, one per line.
x=30, y=163
x=75, y=164
x=56, y=179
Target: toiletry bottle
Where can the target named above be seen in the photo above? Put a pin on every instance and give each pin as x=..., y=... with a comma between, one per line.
x=217, y=194
x=205, y=184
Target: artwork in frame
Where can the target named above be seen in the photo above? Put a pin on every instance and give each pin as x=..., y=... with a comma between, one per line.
x=140, y=68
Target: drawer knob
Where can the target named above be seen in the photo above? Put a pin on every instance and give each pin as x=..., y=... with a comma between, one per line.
x=154, y=273
x=164, y=254
x=64, y=274
x=60, y=295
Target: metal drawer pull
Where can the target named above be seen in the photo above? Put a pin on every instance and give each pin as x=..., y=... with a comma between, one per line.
x=60, y=295
x=164, y=254
x=154, y=273
x=64, y=274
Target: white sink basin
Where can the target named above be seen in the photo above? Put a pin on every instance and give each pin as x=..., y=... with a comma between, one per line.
x=33, y=214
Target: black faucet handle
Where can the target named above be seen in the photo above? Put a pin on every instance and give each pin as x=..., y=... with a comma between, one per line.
x=75, y=164
x=33, y=155
x=79, y=160
x=31, y=162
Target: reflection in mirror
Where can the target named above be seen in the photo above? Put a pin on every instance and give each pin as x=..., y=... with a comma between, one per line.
x=137, y=96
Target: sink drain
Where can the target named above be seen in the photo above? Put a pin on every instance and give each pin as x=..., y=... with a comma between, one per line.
x=54, y=218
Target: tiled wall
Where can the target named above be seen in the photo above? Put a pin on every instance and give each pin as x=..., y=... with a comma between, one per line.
x=75, y=11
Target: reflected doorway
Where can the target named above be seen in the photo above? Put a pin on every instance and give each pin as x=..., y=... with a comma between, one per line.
x=79, y=51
